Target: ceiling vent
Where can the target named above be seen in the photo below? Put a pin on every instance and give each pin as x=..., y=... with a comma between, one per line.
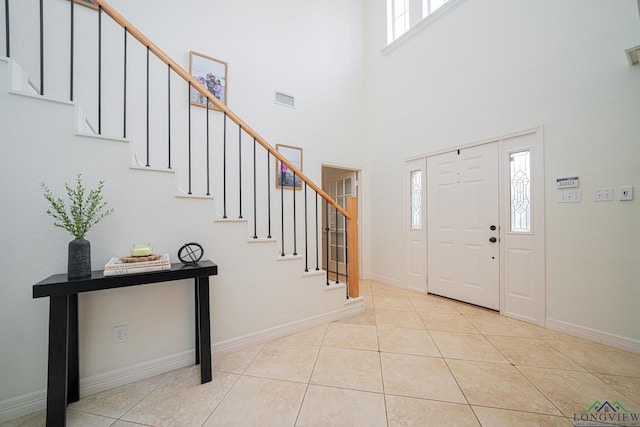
x=284, y=99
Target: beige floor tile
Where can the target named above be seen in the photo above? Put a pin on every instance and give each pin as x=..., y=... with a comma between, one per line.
x=532, y=352
x=181, y=399
x=358, y=337
x=35, y=419
x=125, y=424
x=116, y=402
x=500, y=325
x=447, y=322
x=428, y=304
x=499, y=386
x=74, y=419
x=454, y=345
x=399, y=319
x=83, y=419
x=628, y=386
x=401, y=303
x=493, y=417
x=379, y=290
x=368, y=302
x=599, y=358
x=473, y=310
x=259, y=402
x=572, y=391
x=346, y=368
x=284, y=361
x=406, y=341
x=408, y=411
x=419, y=376
x=328, y=406
x=366, y=318
x=311, y=336
x=235, y=362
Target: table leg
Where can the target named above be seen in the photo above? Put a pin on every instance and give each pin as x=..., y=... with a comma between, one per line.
x=57, y=367
x=73, y=369
x=205, y=329
x=197, y=323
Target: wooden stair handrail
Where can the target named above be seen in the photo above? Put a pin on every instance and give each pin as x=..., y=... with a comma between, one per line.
x=137, y=34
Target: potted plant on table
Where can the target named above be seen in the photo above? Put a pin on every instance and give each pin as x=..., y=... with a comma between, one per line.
x=87, y=209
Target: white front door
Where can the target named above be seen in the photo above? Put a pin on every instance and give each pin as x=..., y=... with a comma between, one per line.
x=463, y=225
x=415, y=224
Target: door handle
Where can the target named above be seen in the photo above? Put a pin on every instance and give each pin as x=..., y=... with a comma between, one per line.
x=493, y=239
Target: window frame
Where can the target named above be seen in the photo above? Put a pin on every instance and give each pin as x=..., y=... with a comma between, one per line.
x=416, y=22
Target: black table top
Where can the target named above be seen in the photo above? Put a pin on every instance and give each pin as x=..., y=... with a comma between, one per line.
x=60, y=284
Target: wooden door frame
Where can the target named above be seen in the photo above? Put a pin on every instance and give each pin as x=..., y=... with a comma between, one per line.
x=359, y=171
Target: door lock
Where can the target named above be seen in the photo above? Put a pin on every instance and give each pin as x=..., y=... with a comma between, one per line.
x=492, y=228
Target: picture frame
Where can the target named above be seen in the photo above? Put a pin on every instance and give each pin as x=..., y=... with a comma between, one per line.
x=87, y=3
x=284, y=176
x=211, y=73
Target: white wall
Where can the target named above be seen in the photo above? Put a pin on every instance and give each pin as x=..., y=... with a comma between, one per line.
x=308, y=52
x=492, y=67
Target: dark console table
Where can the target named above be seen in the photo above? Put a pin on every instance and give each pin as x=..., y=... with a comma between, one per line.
x=63, y=382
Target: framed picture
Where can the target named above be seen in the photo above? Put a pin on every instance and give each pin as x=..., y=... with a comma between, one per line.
x=87, y=3
x=210, y=73
x=284, y=175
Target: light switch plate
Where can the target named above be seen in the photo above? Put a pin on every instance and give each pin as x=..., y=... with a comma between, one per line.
x=603, y=194
x=570, y=196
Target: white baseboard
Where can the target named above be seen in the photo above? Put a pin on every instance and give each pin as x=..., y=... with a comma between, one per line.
x=386, y=280
x=36, y=401
x=22, y=405
x=617, y=341
x=352, y=306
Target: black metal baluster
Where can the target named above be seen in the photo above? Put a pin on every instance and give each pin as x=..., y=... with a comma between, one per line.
x=100, y=71
x=168, y=116
x=282, y=204
x=255, y=208
x=326, y=215
x=268, y=194
x=240, y=170
x=41, y=47
x=148, y=164
x=306, y=247
x=124, y=93
x=71, y=50
x=317, y=254
x=7, y=31
x=346, y=256
x=189, y=139
x=337, y=253
x=295, y=233
x=208, y=171
x=224, y=167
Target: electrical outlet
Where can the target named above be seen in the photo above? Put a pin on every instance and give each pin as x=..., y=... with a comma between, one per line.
x=626, y=193
x=119, y=334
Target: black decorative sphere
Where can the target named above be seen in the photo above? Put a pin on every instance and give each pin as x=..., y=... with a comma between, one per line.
x=190, y=253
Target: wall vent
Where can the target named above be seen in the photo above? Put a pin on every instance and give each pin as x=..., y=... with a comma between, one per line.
x=284, y=99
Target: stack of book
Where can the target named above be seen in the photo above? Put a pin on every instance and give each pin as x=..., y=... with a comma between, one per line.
x=117, y=266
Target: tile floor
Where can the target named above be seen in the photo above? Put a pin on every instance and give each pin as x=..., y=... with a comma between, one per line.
x=409, y=359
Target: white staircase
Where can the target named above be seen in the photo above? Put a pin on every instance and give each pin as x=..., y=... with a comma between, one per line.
x=257, y=296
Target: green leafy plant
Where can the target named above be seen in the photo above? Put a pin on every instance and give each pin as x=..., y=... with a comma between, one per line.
x=85, y=212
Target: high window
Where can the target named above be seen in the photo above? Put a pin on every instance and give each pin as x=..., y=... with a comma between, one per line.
x=402, y=15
